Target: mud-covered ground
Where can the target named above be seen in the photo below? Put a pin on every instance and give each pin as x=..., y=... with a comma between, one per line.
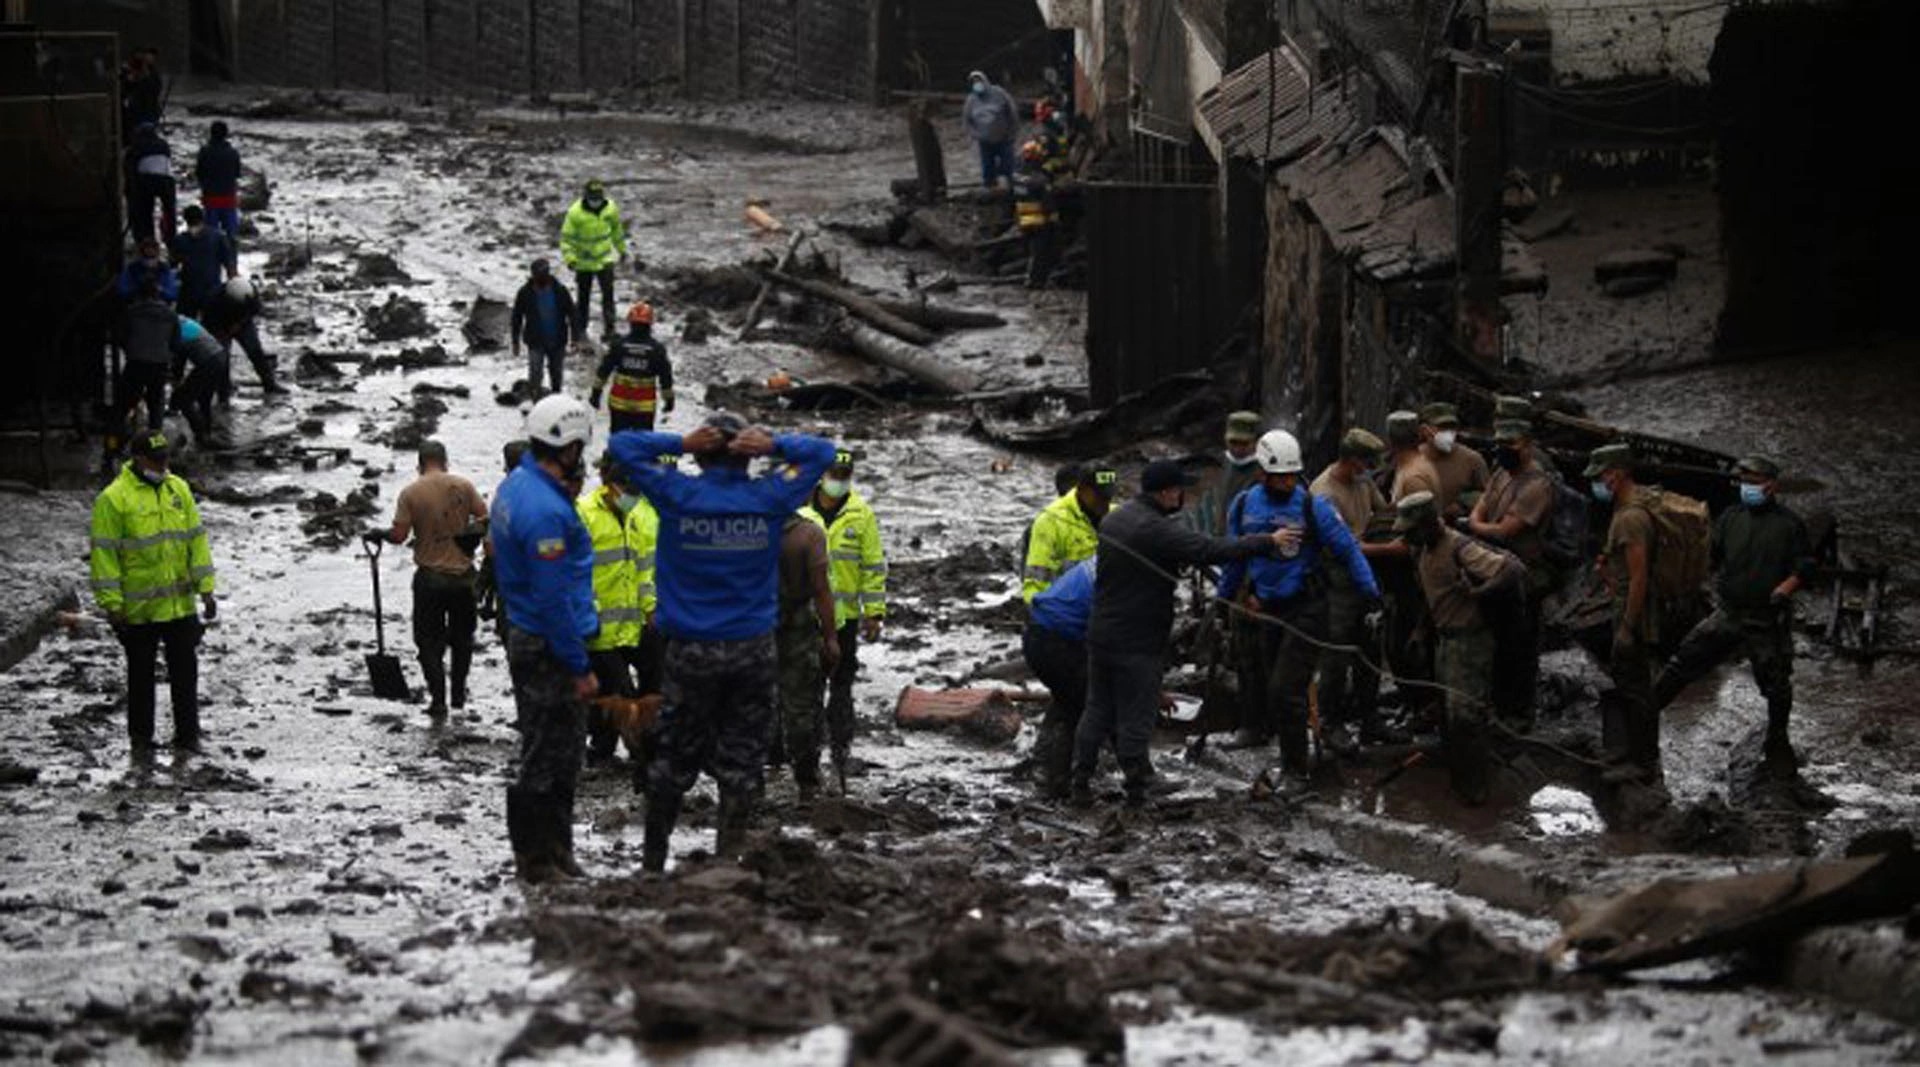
x=330, y=880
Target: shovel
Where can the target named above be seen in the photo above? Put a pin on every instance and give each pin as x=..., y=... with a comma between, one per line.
x=388, y=682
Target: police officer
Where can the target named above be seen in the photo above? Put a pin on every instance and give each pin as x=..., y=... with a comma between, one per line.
x=857, y=563
x=543, y=560
x=1067, y=530
x=640, y=373
x=719, y=604
x=1761, y=557
x=149, y=560
x=1289, y=587
x=1462, y=580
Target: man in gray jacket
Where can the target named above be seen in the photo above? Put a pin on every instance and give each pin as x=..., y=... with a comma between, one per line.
x=1142, y=547
x=991, y=120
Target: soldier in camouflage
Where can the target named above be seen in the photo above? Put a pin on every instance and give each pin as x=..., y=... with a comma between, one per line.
x=808, y=647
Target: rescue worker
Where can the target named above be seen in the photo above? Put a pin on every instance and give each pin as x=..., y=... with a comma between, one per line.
x=1142, y=548
x=487, y=584
x=206, y=259
x=1514, y=513
x=233, y=314
x=1408, y=644
x=1067, y=530
x=543, y=561
x=1410, y=470
x=1349, y=688
x=640, y=373
x=806, y=644
x=1034, y=212
x=616, y=600
x=719, y=602
x=1462, y=579
x=1054, y=645
x=991, y=119
x=1242, y=470
x=1289, y=588
x=542, y=319
x=1626, y=563
x=858, y=570
x=142, y=90
x=149, y=177
x=1461, y=470
x=149, y=561
x=443, y=514
x=592, y=240
x=216, y=169
x=148, y=265
x=150, y=330
x=1050, y=131
x=1761, y=557
x=206, y=361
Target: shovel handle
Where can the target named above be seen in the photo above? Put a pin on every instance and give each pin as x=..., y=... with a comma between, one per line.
x=379, y=616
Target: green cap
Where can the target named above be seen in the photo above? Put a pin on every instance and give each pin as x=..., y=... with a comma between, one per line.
x=1609, y=457
x=1102, y=480
x=1512, y=407
x=596, y=188
x=1759, y=466
x=842, y=460
x=1413, y=509
x=1243, y=426
x=1403, y=428
x=1360, y=444
x=1439, y=413
x=149, y=444
x=1507, y=431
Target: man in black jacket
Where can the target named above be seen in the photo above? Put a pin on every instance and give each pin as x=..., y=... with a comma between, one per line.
x=543, y=320
x=217, y=169
x=1142, y=547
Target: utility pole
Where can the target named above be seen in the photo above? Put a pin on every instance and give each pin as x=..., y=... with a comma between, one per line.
x=1479, y=168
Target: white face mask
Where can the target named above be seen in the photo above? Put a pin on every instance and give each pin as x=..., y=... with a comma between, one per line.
x=835, y=488
x=627, y=502
x=1241, y=461
x=1443, y=440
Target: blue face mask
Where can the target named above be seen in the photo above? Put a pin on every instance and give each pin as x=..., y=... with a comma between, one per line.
x=979, y=88
x=1601, y=492
x=1753, y=495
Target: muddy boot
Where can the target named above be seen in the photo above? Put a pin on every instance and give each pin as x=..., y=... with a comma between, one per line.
x=1080, y=792
x=436, y=675
x=560, y=815
x=841, y=758
x=1779, y=758
x=1469, y=765
x=731, y=837
x=462, y=663
x=531, y=861
x=1053, y=756
x=662, y=813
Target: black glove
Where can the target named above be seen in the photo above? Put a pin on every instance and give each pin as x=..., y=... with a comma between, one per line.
x=374, y=537
x=593, y=399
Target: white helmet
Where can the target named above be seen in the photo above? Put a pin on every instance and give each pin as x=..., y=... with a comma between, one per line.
x=560, y=420
x=241, y=290
x=1278, y=452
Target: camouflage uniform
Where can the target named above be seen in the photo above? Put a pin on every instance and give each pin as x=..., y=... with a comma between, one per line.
x=801, y=682
x=717, y=717
x=551, y=721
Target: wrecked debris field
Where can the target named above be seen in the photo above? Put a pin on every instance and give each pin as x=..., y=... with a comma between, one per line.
x=331, y=880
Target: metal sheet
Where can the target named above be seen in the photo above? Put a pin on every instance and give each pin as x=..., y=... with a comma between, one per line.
x=1153, y=307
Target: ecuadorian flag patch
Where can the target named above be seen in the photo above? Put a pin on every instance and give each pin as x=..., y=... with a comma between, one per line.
x=551, y=548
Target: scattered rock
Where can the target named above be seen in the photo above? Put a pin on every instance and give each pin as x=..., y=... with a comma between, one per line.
x=399, y=318
x=12, y=773
x=223, y=841
x=256, y=192
x=487, y=325
x=203, y=947
x=1636, y=263
x=698, y=327
x=377, y=269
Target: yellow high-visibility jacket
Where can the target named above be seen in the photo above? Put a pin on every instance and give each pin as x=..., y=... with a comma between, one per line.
x=150, y=557
x=592, y=241
x=643, y=533
x=1061, y=536
x=616, y=576
x=856, y=561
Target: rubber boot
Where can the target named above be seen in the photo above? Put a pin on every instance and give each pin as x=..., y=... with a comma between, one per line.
x=1778, y=753
x=560, y=834
x=435, y=673
x=732, y=836
x=662, y=813
x=1053, y=754
x=530, y=858
x=462, y=664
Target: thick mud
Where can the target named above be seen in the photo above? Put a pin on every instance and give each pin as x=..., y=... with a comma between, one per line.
x=330, y=881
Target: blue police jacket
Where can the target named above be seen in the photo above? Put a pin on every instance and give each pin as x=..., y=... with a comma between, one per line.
x=543, y=561
x=718, y=556
x=1065, y=606
x=1276, y=577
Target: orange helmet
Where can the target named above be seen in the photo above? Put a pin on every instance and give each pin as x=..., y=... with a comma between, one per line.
x=1032, y=152
x=640, y=314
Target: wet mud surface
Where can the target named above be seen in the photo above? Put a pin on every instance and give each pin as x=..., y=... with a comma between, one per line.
x=330, y=880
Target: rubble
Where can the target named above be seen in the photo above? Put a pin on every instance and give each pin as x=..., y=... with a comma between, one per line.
x=396, y=320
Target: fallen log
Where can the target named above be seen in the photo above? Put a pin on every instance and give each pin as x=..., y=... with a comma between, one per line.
x=861, y=306
x=766, y=287
x=945, y=236
x=935, y=317
x=911, y=360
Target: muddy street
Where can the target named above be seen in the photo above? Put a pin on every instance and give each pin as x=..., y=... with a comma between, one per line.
x=330, y=880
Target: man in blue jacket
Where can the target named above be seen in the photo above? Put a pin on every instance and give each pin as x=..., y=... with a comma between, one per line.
x=718, y=558
x=543, y=563
x=1055, y=647
x=1289, y=586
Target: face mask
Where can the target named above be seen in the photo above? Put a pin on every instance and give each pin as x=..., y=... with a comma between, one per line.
x=1443, y=441
x=1601, y=492
x=1241, y=461
x=151, y=477
x=627, y=502
x=1507, y=458
x=835, y=488
x=595, y=205
x=979, y=88
x=1753, y=495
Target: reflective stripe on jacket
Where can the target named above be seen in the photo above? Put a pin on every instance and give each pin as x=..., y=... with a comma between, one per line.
x=149, y=557
x=616, y=578
x=856, y=562
x=1062, y=536
x=592, y=240
x=643, y=534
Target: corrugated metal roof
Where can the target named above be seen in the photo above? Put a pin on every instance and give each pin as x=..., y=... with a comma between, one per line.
x=1376, y=212
x=1269, y=112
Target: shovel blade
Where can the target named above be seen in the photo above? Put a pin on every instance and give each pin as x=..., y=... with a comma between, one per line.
x=388, y=682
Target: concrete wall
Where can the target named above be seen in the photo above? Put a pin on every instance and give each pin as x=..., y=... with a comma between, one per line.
x=1301, y=321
